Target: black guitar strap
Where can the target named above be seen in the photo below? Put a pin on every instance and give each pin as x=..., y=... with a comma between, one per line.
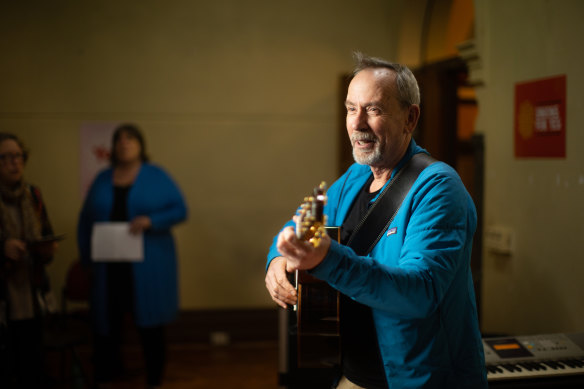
x=383, y=210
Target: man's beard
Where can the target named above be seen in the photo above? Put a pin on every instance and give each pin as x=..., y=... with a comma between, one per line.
x=370, y=158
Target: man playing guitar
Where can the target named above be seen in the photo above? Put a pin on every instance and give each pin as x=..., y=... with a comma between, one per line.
x=408, y=311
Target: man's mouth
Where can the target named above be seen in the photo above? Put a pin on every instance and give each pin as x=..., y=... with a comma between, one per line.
x=363, y=141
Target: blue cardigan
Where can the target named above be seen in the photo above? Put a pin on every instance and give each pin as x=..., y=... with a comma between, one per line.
x=153, y=194
x=417, y=279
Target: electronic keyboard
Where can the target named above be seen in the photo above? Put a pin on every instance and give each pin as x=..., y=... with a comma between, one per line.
x=534, y=356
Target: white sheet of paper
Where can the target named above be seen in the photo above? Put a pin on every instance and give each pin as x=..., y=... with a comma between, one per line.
x=112, y=242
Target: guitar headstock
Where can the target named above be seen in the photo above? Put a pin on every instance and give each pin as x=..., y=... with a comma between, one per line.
x=311, y=220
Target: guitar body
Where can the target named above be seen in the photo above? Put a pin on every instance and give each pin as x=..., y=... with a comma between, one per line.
x=318, y=319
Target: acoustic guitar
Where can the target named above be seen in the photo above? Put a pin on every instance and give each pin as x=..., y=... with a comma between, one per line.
x=318, y=327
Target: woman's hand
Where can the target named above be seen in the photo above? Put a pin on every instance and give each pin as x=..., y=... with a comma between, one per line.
x=45, y=250
x=14, y=249
x=140, y=224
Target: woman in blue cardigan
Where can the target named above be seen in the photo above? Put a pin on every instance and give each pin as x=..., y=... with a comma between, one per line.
x=135, y=191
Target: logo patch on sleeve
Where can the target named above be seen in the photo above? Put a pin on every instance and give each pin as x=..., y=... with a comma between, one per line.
x=392, y=231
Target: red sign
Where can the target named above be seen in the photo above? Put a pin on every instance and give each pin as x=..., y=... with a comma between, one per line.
x=540, y=118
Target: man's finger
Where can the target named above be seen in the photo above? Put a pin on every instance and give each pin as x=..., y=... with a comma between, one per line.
x=292, y=247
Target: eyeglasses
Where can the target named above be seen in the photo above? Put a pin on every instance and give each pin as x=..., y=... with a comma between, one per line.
x=11, y=157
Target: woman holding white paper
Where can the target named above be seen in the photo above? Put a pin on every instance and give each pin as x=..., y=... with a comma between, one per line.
x=135, y=191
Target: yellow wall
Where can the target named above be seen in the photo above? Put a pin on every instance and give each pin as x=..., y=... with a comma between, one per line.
x=237, y=99
x=539, y=287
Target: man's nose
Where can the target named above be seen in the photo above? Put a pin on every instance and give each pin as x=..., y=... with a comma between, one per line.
x=357, y=121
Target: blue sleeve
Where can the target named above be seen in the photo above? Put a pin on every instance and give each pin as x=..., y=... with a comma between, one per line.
x=273, y=251
x=174, y=209
x=437, y=221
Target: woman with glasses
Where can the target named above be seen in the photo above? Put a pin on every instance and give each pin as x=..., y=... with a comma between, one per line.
x=26, y=247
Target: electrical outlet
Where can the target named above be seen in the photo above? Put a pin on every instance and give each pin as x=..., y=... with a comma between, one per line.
x=499, y=239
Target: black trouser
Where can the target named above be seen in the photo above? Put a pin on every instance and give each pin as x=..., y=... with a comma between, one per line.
x=107, y=348
x=108, y=358
x=23, y=350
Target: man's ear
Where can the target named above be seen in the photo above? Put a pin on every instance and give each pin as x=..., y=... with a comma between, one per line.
x=413, y=115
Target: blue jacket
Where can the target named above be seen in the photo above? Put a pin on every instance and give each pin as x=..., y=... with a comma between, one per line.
x=417, y=279
x=153, y=194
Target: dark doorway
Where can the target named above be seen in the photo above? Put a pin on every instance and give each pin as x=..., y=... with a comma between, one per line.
x=446, y=130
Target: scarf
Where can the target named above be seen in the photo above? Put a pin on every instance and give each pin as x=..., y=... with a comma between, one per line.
x=30, y=224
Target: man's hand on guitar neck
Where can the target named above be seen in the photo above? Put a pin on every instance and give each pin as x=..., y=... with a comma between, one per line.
x=300, y=254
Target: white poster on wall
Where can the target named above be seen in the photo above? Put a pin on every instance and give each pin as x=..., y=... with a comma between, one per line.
x=95, y=143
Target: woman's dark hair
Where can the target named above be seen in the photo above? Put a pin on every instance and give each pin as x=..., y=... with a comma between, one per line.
x=133, y=131
x=6, y=136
